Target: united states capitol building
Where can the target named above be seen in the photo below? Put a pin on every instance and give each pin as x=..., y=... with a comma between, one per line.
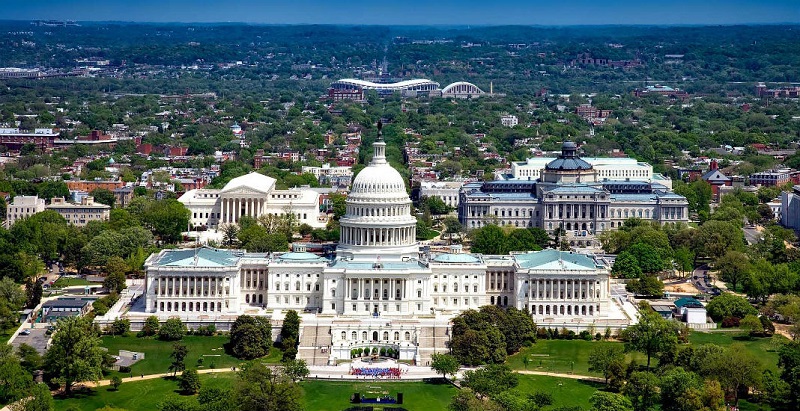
x=382, y=288
x=582, y=198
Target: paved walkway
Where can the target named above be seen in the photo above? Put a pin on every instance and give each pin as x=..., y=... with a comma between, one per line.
x=559, y=375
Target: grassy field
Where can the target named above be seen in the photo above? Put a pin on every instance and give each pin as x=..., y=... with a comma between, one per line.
x=137, y=396
x=563, y=356
x=765, y=349
x=156, y=352
x=70, y=282
x=323, y=395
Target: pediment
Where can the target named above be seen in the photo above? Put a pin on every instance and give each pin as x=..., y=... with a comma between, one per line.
x=243, y=191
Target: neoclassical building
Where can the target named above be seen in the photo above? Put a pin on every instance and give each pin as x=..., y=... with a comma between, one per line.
x=569, y=194
x=252, y=195
x=382, y=288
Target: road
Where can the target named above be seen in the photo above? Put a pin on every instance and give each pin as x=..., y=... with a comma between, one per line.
x=699, y=280
x=752, y=235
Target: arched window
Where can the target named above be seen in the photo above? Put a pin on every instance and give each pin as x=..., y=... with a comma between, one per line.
x=354, y=335
x=364, y=335
x=344, y=335
x=396, y=336
x=333, y=292
x=385, y=335
x=407, y=336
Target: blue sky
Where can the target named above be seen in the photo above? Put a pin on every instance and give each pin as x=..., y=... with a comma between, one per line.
x=443, y=12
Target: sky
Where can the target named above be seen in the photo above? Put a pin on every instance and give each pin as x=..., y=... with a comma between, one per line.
x=412, y=12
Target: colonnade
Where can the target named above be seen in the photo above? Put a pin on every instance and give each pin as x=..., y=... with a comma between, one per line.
x=378, y=236
x=357, y=289
x=566, y=289
x=192, y=286
x=233, y=208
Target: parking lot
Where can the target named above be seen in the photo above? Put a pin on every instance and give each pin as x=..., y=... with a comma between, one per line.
x=37, y=339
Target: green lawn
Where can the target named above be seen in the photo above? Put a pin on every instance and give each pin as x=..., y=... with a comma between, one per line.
x=137, y=396
x=765, y=349
x=563, y=356
x=335, y=395
x=70, y=282
x=5, y=335
x=324, y=395
x=156, y=352
x=565, y=392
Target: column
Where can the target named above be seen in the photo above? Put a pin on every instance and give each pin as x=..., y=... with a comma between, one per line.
x=222, y=209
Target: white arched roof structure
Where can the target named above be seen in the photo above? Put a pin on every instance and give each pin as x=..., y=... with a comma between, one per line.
x=461, y=89
x=405, y=85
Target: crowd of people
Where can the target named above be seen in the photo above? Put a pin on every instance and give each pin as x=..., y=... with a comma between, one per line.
x=377, y=372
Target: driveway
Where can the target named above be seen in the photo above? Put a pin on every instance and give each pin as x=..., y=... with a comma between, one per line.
x=36, y=339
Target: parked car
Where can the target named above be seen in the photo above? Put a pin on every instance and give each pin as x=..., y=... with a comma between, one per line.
x=26, y=331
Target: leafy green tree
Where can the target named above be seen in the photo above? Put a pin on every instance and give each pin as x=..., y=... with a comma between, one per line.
x=604, y=358
x=489, y=239
x=39, y=399
x=452, y=226
x=189, y=381
x=150, y=326
x=178, y=355
x=290, y=332
x=116, y=382
x=15, y=381
x=30, y=359
x=648, y=285
x=642, y=390
x=11, y=300
x=491, y=379
x=444, y=364
x=739, y=370
x=608, y=401
x=466, y=400
x=167, y=219
x=729, y=305
x=115, y=279
x=216, y=399
x=250, y=337
x=172, y=330
x=295, y=370
x=626, y=266
x=74, y=354
x=733, y=267
x=789, y=363
x=647, y=257
x=103, y=196
x=684, y=259
x=651, y=335
x=33, y=292
x=175, y=403
x=752, y=324
x=435, y=205
x=230, y=233
x=259, y=389
x=120, y=326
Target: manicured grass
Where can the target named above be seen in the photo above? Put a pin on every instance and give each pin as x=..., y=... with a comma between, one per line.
x=137, y=396
x=5, y=335
x=765, y=349
x=156, y=352
x=565, y=392
x=335, y=395
x=70, y=282
x=563, y=356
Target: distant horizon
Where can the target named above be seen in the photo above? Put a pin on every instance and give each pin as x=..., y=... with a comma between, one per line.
x=413, y=12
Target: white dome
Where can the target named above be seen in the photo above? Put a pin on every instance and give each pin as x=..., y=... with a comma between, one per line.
x=379, y=179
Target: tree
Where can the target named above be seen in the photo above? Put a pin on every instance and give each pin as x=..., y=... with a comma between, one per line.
x=150, y=326
x=489, y=239
x=259, y=389
x=172, y=330
x=175, y=403
x=436, y=205
x=647, y=285
x=39, y=399
x=290, y=330
x=604, y=358
x=444, y=364
x=103, y=196
x=116, y=382
x=729, y=305
x=178, y=355
x=33, y=292
x=11, y=300
x=120, y=326
x=752, y=324
x=15, y=381
x=739, y=369
x=74, y=354
x=295, y=370
x=452, y=226
x=216, y=399
x=167, y=219
x=647, y=257
x=651, y=335
x=250, y=337
x=789, y=363
x=30, y=359
x=115, y=277
x=608, y=401
x=230, y=233
x=642, y=390
x=626, y=266
x=466, y=400
x=684, y=259
x=490, y=380
x=733, y=267
x=189, y=381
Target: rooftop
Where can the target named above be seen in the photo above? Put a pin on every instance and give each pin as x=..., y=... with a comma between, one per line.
x=555, y=260
x=199, y=257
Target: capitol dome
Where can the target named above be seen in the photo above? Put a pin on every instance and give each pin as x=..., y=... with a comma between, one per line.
x=378, y=220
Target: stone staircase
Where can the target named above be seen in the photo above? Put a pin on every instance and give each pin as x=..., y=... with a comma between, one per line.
x=315, y=342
